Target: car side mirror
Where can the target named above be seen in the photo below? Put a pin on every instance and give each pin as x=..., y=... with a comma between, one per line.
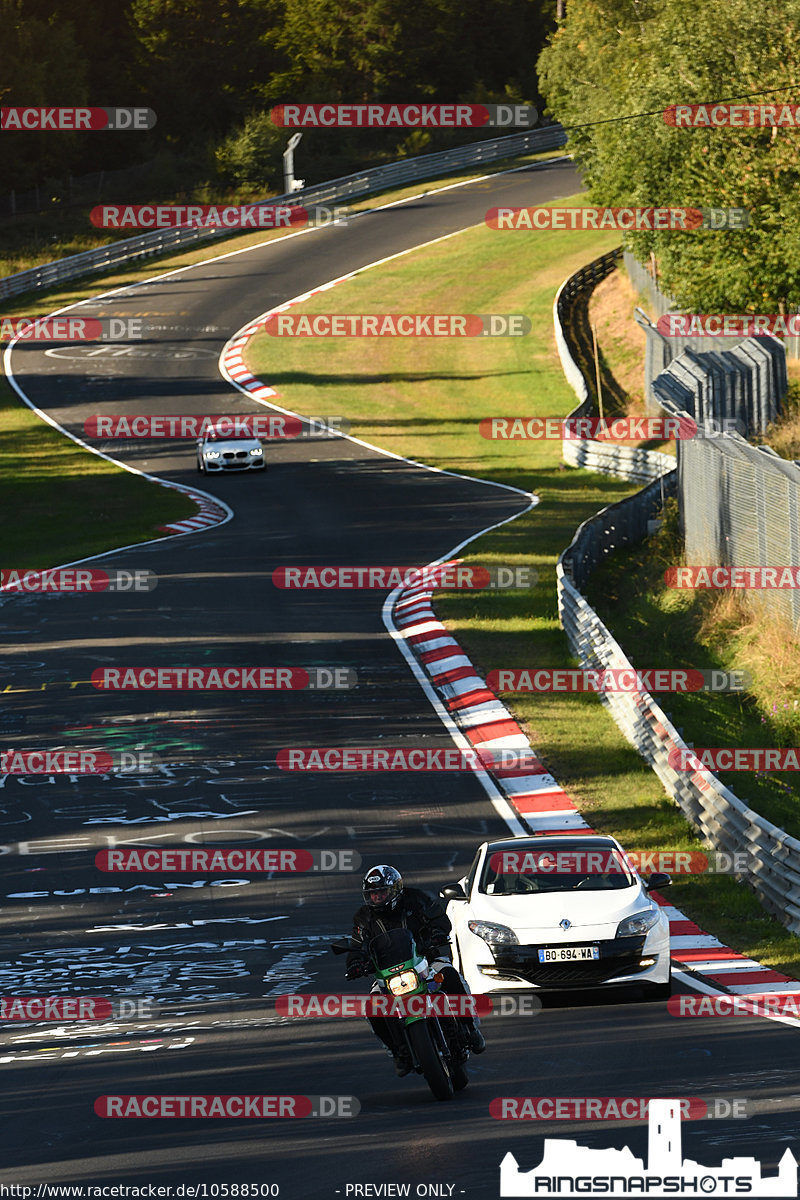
x=658, y=880
x=453, y=891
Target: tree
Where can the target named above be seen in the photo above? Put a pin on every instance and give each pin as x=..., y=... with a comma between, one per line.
x=40, y=64
x=611, y=60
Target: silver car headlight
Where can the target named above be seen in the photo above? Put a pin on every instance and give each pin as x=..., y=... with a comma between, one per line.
x=639, y=923
x=212, y=453
x=494, y=935
x=257, y=453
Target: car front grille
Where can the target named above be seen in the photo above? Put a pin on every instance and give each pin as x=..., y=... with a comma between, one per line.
x=620, y=956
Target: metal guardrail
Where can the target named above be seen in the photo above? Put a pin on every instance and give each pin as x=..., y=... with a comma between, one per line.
x=625, y=462
x=725, y=821
x=348, y=187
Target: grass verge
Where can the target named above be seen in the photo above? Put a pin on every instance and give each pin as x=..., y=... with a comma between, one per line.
x=68, y=503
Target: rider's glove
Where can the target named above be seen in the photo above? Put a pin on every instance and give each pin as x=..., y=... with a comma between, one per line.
x=357, y=969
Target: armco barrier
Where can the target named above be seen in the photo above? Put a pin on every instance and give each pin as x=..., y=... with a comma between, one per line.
x=725, y=821
x=348, y=187
x=625, y=462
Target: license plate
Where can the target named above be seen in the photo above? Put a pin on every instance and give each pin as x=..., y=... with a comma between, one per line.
x=569, y=954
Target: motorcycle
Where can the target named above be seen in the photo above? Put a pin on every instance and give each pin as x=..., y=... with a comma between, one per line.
x=437, y=1044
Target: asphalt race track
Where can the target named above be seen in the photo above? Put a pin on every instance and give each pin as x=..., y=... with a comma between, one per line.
x=212, y=954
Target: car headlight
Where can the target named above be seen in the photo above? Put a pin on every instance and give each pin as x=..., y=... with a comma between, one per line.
x=257, y=453
x=402, y=984
x=494, y=935
x=638, y=924
x=212, y=453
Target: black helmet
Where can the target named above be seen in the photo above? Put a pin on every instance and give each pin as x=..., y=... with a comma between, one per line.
x=382, y=888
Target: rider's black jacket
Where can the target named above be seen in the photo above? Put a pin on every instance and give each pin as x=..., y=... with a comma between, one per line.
x=422, y=914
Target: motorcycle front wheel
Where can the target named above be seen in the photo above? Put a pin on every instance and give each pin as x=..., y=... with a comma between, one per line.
x=434, y=1069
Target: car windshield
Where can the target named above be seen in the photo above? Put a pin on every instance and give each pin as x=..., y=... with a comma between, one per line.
x=213, y=436
x=509, y=871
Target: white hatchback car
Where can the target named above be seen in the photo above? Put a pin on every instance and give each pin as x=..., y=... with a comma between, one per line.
x=229, y=452
x=558, y=913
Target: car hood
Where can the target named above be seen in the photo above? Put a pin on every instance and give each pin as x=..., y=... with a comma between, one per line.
x=592, y=914
x=234, y=444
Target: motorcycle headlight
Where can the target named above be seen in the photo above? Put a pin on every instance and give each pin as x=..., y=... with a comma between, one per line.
x=402, y=984
x=212, y=453
x=638, y=924
x=257, y=453
x=494, y=935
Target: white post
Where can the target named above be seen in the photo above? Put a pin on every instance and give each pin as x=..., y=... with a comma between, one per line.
x=288, y=164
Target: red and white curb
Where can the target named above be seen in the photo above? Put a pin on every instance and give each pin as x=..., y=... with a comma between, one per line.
x=232, y=361
x=210, y=512
x=241, y=374
x=541, y=803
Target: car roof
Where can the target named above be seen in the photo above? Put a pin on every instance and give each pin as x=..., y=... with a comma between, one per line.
x=550, y=840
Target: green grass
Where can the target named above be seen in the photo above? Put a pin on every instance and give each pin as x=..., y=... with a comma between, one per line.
x=68, y=503
x=424, y=399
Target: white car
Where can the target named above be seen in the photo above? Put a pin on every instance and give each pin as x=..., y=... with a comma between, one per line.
x=559, y=913
x=226, y=452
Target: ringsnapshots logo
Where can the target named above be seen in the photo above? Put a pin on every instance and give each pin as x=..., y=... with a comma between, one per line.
x=404, y=116
x=611, y=1108
x=512, y=681
x=223, y=679
x=77, y=580
x=414, y=760
x=76, y=120
x=71, y=329
x=733, y=325
x=192, y=1107
x=268, y=425
x=260, y=861
x=733, y=116
x=215, y=216
x=444, y=577
x=570, y=1170
x=628, y=220
x=79, y=762
x=402, y=325
x=724, y=578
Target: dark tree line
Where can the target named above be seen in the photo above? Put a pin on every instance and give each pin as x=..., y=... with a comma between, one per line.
x=212, y=69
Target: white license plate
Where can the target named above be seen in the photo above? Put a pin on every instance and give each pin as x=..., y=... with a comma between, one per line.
x=569, y=954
